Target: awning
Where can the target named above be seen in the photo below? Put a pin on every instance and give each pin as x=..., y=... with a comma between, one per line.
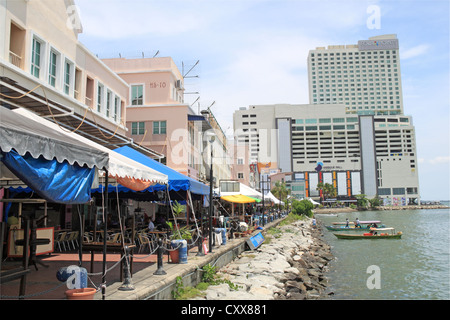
x=243, y=190
x=256, y=200
x=238, y=198
x=176, y=180
x=126, y=171
x=274, y=199
x=27, y=135
x=57, y=167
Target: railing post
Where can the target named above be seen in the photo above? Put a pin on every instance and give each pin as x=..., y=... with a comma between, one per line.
x=160, y=270
x=127, y=284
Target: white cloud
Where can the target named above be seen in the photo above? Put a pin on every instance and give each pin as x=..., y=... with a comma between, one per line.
x=434, y=161
x=414, y=51
x=439, y=160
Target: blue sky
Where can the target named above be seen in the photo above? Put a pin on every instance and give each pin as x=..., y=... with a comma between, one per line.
x=254, y=52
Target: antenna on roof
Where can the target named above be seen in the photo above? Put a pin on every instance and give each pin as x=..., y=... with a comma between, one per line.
x=120, y=56
x=142, y=54
x=157, y=52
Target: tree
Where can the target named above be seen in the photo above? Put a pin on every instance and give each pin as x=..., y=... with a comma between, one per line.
x=328, y=190
x=302, y=207
x=362, y=201
x=281, y=191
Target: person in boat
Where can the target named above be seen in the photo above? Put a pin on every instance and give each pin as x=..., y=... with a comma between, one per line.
x=357, y=224
x=346, y=223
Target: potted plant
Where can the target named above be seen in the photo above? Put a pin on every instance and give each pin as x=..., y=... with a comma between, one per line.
x=178, y=237
x=178, y=243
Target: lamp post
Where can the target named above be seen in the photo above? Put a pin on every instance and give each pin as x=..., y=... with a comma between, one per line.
x=263, y=190
x=211, y=181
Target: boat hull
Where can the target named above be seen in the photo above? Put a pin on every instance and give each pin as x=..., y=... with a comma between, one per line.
x=370, y=237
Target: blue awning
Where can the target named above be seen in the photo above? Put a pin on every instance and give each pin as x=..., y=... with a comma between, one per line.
x=177, y=181
x=58, y=168
x=54, y=181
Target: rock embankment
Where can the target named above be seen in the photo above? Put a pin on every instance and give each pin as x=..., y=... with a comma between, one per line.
x=291, y=265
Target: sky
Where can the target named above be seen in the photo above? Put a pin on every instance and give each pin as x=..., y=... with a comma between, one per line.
x=254, y=52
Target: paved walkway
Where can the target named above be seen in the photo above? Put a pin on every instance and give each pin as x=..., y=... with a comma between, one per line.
x=43, y=284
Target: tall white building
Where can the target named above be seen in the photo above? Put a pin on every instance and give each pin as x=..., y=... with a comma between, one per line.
x=364, y=77
x=353, y=134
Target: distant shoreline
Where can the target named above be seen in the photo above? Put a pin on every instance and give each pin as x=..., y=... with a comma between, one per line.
x=381, y=208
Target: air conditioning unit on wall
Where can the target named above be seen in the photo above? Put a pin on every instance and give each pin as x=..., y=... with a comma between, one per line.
x=179, y=84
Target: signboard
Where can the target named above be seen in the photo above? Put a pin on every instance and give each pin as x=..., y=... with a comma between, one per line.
x=255, y=241
x=378, y=44
x=16, y=251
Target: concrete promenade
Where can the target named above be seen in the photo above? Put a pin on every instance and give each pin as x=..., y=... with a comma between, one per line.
x=147, y=285
x=42, y=284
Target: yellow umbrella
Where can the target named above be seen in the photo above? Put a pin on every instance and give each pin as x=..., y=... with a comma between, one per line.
x=238, y=198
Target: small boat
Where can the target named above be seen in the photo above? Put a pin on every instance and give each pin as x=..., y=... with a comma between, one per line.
x=375, y=233
x=351, y=227
x=361, y=222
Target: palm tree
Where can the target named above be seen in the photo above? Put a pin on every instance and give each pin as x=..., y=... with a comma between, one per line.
x=280, y=191
x=328, y=190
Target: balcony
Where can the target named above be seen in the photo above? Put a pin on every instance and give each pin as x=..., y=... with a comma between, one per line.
x=15, y=59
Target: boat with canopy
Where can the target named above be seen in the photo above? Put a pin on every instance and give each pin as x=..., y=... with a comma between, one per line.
x=375, y=233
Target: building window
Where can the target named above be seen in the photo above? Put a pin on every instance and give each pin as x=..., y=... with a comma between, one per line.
x=108, y=102
x=398, y=191
x=240, y=175
x=99, y=97
x=137, y=95
x=116, y=108
x=159, y=127
x=240, y=161
x=67, y=76
x=53, y=66
x=36, y=58
x=137, y=128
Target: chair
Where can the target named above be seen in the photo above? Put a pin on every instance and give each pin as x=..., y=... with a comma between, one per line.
x=60, y=240
x=144, y=241
x=74, y=239
x=115, y=237
x=88, y=237
x=69, y=239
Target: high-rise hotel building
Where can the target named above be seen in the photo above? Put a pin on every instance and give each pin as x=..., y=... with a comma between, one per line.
x=363, y=77
x=353, y=134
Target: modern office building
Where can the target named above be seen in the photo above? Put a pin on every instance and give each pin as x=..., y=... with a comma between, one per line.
x=353, y=134
x=364, y=76
x=370, y=154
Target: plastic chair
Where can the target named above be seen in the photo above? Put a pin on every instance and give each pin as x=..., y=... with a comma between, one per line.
x=115, y=237
x=60, y=240
x=69, y=239
x=144, y=241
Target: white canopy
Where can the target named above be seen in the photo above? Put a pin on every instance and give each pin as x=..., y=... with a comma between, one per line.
x=127, y=171
x=26, y=134
x=313, y=202
x=243, y=189
x=273, y=198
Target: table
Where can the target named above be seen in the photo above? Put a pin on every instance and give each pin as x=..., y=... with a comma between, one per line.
x=111, y=247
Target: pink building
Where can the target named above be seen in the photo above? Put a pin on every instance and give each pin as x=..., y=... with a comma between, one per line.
x=157, y=116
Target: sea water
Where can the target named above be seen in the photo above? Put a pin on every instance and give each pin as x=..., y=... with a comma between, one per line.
x=417, y=266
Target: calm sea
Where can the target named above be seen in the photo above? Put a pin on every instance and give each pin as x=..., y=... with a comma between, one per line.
x=414, y=267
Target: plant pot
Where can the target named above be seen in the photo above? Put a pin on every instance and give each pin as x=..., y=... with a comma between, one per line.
x=178, y=255
x=174, y=256
x=81, y=294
